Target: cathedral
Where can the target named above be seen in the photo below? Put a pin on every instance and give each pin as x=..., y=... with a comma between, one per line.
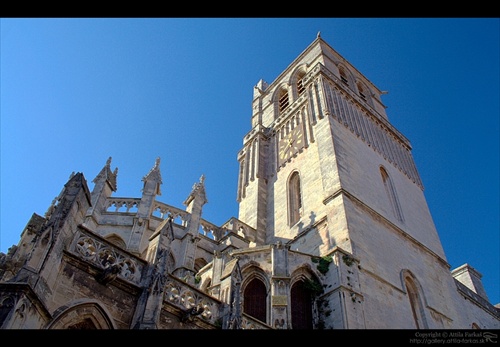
x=333, y=231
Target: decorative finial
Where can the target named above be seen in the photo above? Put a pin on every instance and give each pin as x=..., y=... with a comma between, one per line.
x=319, y=34
x=108, y=162
x=157, y=162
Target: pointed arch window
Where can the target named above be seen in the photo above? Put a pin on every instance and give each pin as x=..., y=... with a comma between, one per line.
x=6, y=305
x=294, y=198
x=117, y=240
x=391, y=194
x=199, y=263
x=343, y=76
x=301, y=302
x=255, y=299
x=83, y=316
x=283, y=99
x=361, y=91
x=415, y=303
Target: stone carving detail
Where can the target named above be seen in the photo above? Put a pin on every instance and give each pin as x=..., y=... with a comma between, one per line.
x=108, y=259
x=7, y=303
x=279, y=323
x=158, y=281
x=281, y=287
x=192, y=303
x=248, y=324
x=86, y=247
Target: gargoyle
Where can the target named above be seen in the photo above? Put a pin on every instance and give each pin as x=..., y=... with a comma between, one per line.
x=108, y=274
x=190, y=313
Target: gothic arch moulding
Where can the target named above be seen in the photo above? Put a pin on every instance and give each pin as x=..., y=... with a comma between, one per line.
x=252, y=270
x=304, y=289
x=346, y=76
x=364, y=91
x=82, y=315
x=415, y=294
x=303, y=273
x=255, y=288
x=296, y=80
x=280, y=99
x=7, y=304
x=116, y=240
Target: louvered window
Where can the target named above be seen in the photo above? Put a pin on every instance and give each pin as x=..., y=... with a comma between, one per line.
x=343, y=76
x=361, y=91
x=283, y=100
x=300, y=84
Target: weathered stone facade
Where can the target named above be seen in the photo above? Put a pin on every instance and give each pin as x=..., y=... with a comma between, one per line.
x=333, y=232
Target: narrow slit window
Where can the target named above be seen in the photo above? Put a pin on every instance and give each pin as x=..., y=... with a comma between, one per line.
x=294, y=198
x=391, y=193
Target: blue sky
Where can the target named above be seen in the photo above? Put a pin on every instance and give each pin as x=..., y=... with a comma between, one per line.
x=77, y=91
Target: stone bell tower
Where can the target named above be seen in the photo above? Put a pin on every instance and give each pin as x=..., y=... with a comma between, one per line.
x=323, y=169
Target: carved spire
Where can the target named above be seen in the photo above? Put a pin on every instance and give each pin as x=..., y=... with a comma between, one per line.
x=154, y=175
x=198, y=191
x=105, y=175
